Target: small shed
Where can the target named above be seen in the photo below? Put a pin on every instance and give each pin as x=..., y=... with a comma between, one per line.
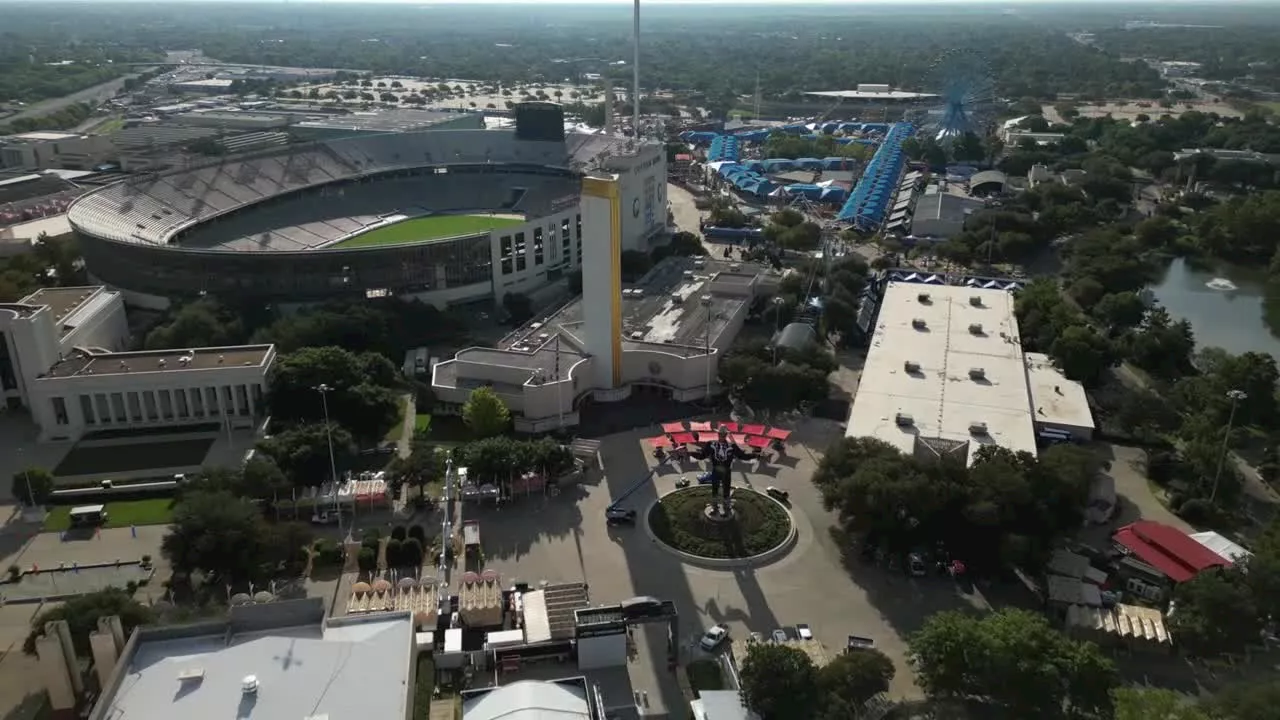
x=480, y=602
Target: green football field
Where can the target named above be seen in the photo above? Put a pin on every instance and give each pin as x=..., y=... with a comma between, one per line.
x=427, y=228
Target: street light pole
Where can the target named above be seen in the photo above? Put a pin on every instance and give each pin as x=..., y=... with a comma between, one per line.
x=1235, y=396
x=706, y=302
x=324, y=391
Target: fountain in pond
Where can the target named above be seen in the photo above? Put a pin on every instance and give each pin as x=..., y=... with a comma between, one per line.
x=1221, y=284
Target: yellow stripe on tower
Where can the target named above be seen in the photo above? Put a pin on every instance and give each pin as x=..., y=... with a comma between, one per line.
x=609, y=189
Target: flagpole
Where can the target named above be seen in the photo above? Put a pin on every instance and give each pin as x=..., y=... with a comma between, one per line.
x=559, y=384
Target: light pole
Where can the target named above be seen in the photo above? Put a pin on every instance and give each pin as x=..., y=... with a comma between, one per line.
x=777, y=325
x=706, y=302
x=1235, y=396
x=324, y=391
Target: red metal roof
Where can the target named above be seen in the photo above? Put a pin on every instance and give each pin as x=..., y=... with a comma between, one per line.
x=1167, y=549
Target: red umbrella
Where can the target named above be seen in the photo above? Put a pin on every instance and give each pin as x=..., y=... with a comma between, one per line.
x=672, y=427
x=758, y=441
x=740, y=439
x=700, y=426
x=660, y=441
x=730, y=426
x=754, y=429
x=708, y=436
x=778, y=433
x=683, y=438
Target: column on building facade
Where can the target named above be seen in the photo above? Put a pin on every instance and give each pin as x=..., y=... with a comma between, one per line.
x=248, y=395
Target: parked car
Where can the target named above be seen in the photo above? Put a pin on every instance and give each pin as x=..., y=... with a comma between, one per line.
x=714, y=637
x=620, y=516
x=802, y=629
x=779, y=635
x=642, y=606
x=755, y=637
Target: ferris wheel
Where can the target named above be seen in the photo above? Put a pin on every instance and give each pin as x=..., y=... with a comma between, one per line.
x=966, y=100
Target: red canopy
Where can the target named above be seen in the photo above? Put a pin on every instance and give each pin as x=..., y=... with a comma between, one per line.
x=673, y=427
x=758, y=441
x=708, y=436
x=739, y=439
x=730, y=426
x=683, y=438
x=1167, y=549
x=754, y=429
x=699, y=426
x=778, y=433
x=660, y=441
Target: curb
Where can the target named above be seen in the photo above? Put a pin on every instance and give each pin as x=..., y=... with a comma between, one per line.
x=764, y=558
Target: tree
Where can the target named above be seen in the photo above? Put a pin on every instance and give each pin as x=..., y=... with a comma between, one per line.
x=856, y=676
x=203, y=323
x=1015, y=659
x=1245, y=701
x=779, y=682
x=218, y=534
x=1215, y=613
x=1148, y=703
x=82, y=612
x=486, y=413
x=1082, y=354
x=519, y=307
x=32, y=486
x=366, y=409
x=302, y=452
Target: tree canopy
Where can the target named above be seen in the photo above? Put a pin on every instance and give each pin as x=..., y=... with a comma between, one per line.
x=779, y=682
x=1012, y=658
x=32, y=486
x=359, y=398
x=486, y=413
x=226, y=538
x=81, y=614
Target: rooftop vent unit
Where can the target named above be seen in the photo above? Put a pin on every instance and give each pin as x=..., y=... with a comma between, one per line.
x=975, y=300
x=911, y=366
x=734, y=267
x=190, y=674
x=924, y=298
x=919, y=324
x=904, y=420
x=976, y=329
x=978, y=428
x=249, y=685
x=699, y=264
x=688, y=273
x=977, y=374
x=677, y=298
x=705, y=299
x=637, y=335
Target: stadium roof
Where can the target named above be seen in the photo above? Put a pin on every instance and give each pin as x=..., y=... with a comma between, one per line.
x=305, y=667
x=871, y=95
x=942, y=367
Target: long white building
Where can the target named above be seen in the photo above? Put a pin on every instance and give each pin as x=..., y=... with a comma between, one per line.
x=946, y=374
x=60, y=359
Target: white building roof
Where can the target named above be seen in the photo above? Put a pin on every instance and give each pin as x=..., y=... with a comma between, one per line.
x=1057, y=400
x=958, y=379
x=345, y=669
x=1224, y=548
x=529, y=700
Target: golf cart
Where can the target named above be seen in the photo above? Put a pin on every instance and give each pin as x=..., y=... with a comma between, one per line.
x=778, y=494
x=620, y=516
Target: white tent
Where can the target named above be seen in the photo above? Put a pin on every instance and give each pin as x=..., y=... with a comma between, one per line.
x=1221, y=546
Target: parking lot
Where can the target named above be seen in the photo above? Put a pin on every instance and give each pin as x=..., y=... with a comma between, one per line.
x=565, y=538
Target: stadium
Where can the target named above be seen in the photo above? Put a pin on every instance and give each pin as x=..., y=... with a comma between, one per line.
x=445, y=216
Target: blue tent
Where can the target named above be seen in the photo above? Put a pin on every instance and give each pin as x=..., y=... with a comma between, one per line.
x=808, y=163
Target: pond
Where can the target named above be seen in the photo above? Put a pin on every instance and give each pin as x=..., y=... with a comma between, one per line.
x=1224, y=304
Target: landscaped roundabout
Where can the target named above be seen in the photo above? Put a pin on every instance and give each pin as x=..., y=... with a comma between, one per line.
x=759, y=525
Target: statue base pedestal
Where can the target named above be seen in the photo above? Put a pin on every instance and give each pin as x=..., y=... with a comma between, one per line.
x=713, y=514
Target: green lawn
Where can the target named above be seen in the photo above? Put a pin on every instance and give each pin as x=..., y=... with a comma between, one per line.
x=158, y=511
x=428, y=228
x=421, y=423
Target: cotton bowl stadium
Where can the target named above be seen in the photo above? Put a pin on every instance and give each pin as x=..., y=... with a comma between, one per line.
x=447, y=216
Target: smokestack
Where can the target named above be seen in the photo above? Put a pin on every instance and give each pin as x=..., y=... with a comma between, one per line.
x=608, y=106
x=635, y=76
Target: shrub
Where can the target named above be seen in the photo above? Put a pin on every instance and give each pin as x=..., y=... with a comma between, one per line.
x=412, y=553
x=395, y=553
x=146, y=559
x=367, y=560
x=419, y=533
x=15, y=573
x=329, y=554
x=1198, y=511
x=398, y=533
x=370, y=534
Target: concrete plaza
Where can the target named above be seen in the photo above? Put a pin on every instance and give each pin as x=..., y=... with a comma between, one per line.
x=565, y=538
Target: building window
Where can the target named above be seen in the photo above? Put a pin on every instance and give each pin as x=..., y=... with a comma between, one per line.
x=166, y=404
x=7, y=378
x=538, y=257
x=117, y=408
x=197, y=403
x=86, y=409
x=103, y=404
x=60, y=410
x=242, y=399
x=180, y=403
x=211, y=401
x=521, y=252
x=135, y=406
x=566, y=237
x=228, y=405
x=577, y=232
x=149, y=404
x=504, y=252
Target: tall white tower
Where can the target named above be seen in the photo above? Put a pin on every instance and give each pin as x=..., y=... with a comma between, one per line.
x=602, y=277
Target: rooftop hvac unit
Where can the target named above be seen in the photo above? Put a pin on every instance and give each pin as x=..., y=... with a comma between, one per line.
x=975, y=300
x=706, y=299
x=734, y=267
x=911, y=366
x=975, y=328
x=249, y=686
x=919, y=324
x=688, y=273
x=924, y=298
x=677, y=298
x=978, y=428
x=977, y=374
x=699, y=264
x=904, y=420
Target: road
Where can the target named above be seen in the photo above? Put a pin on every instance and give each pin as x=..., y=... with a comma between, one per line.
x=92, y=95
